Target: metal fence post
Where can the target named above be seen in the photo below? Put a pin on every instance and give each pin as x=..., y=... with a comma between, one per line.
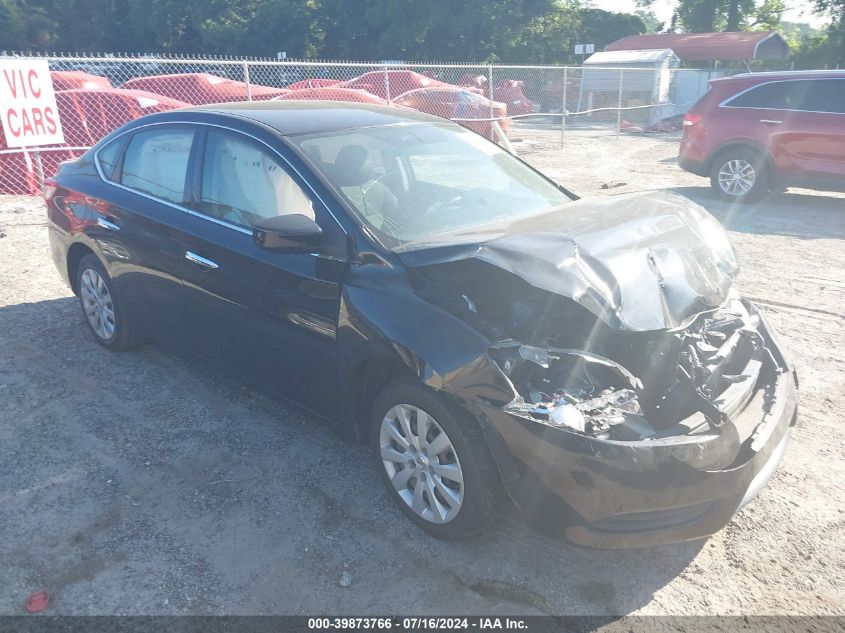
x=247, y=82
x=39, y=169
x=387, y=86
x=563, y=107
x=619, y=105
x=490, y=93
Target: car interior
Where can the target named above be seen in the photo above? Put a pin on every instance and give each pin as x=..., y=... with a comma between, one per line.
x=243, y=185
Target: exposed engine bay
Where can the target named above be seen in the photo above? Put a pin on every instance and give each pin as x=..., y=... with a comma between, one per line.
x=599, y=397
x=574, y=372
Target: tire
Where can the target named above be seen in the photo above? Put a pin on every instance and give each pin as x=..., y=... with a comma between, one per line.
x=740, y=175
x=474, y=500
x=105, y=316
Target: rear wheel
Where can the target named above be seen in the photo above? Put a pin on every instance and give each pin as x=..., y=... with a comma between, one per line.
x=739, y=175
x=434, y=462
x=111, y=326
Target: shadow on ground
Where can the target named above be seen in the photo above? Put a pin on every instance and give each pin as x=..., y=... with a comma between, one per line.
x=805, y=216
x=149, y=482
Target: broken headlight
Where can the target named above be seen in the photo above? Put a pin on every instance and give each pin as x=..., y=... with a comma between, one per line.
x=575, y=390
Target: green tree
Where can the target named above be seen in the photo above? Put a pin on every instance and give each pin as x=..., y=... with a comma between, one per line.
x=64, y=25
x=426, y=29
x=259, y=27
x=767, y=16
x=548, y=39
x=170, y=26
x=23, y=27
x=705, y=16
x=652, y=23
x=699, y=16
x=540, y=31
x=603, y=27
x=835, y=10
x=373, y=29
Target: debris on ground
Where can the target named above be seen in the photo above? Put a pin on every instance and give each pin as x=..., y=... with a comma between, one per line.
x=37, y=602
x=670, y=124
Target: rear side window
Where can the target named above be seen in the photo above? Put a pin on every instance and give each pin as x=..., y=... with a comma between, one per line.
x=108, y=157
x=156, y=162
x=827, y=95
x=813, y=95
x=243, y=185
x=780, y=95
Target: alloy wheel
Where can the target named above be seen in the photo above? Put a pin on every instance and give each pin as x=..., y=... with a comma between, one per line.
x=737, y=177
x=421, y=463
x=97, y=303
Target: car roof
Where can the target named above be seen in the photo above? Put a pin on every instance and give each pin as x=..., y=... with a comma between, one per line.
x=784, y=74
x=290, y=118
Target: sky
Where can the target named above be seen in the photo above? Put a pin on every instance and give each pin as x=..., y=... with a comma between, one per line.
x=800, y=10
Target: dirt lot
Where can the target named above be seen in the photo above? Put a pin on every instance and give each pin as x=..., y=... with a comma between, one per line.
x=149, y=483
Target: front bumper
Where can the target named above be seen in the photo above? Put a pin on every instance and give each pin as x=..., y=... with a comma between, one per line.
x=600, y=493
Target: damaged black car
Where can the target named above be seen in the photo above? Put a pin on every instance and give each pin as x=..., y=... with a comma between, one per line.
x=488, y=333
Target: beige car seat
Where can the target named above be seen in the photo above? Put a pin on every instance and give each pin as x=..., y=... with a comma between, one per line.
x=248, y=180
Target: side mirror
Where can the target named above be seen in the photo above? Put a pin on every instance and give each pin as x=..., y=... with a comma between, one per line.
x=292, y=232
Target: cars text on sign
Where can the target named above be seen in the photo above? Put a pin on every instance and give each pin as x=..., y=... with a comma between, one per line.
x=28, y=104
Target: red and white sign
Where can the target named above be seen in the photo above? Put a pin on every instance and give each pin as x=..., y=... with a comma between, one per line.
x=28, y=112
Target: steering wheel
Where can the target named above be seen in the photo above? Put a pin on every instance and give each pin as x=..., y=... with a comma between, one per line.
x=445, y=205
x=365, y=188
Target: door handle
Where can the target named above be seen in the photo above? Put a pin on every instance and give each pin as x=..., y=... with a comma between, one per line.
x=200, y=261
x=103, y=223
x=770, y=122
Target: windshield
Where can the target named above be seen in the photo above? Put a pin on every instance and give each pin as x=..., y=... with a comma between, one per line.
x=409, y=182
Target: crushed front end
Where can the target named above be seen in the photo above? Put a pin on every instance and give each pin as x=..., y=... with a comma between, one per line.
x=611, y=457
x=629, y=395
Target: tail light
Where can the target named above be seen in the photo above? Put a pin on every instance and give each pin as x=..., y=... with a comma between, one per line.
x=50, y=186
x=692, y=118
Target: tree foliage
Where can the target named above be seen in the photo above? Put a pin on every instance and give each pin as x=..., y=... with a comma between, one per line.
x=651, y=21
x=834, y=41
x=471, y=30
x=706, y=16
x=812, y=49
x=519, y=31
x=551, y=38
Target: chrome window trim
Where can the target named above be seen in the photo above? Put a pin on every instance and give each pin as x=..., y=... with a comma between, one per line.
x=726, y=102
x=197, y=214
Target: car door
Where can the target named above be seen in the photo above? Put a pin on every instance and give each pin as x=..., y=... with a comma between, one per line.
x=796, y=120
x=812, y=137
x=138, y=219
x=269, y=316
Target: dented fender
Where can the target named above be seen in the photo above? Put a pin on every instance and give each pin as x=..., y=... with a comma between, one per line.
x=382, y=317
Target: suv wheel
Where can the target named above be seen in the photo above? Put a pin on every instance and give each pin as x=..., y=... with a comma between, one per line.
x=104, y=314
x=739, y=175
x=434, y=462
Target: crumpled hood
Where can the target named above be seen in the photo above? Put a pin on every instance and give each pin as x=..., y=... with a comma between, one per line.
x=639, y=262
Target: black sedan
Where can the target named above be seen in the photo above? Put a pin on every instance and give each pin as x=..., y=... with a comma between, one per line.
x=488, y=333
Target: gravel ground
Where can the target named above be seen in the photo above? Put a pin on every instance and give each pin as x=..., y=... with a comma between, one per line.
x=150, y=483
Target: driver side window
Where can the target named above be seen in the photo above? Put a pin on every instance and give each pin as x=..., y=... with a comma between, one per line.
x=242, y=184
x=367, y=176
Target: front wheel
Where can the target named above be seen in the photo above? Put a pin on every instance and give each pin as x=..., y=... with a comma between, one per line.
x=434, y=462
x=739, y=175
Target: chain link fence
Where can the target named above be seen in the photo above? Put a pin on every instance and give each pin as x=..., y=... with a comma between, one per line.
x=95, y=95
